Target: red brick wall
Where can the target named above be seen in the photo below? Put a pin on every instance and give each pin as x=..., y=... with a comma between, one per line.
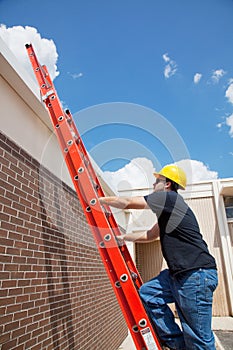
x=54, y=292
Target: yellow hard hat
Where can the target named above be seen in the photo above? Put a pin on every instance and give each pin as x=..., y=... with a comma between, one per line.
x=174, y=173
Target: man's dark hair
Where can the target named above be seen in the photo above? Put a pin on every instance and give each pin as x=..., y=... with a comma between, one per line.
x=174, y=185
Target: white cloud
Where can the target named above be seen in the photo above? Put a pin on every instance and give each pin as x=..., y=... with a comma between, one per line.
x=196, y=171
x=75, y=75
x=138, y=174
x=197, y=77
x=229, y=92
x=165, y=57
x=229, y=122
x=171, y=66
x=217, y=75
x=220, y=126
x=16, y=37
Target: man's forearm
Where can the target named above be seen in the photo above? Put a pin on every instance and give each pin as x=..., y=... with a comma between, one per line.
x=125, y=202
x=138, y=237
x=143, y=236
x=116, y=202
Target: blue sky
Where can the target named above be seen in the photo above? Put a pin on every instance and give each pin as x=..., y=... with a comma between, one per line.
x=143, y=53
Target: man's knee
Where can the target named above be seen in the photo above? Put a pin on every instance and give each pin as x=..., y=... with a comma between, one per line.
x=147, y=293
x=143, y=292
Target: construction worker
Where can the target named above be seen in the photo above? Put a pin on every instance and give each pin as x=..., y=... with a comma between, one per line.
x=191, y=277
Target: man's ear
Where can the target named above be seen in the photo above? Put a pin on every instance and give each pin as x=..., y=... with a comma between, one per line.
x=168, y=184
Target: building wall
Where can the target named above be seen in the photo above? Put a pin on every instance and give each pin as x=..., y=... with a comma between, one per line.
x=204, y=210
x=230, y=225
x=54, y=291
x=28, y=124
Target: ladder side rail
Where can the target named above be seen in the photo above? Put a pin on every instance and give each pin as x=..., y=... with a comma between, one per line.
x=98, y=218
x=42, y=80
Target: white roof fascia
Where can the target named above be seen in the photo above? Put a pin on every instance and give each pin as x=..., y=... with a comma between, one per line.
x=226, y=187
x=20, y=80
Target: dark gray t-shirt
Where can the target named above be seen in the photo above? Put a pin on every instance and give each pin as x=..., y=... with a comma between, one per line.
x=182, y=244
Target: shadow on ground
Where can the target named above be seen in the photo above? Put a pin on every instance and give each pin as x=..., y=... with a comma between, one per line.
x=226, y=339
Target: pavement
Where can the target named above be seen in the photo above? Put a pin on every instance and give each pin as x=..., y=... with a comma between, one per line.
x=223, y=331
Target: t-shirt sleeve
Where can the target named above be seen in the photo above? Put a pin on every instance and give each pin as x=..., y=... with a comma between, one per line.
x=156, y=201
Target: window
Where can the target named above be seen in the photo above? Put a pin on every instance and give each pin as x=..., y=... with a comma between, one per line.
x=228, y=201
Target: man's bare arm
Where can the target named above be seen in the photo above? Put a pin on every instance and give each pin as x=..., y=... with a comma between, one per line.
x=142, y=236
x=125, y=202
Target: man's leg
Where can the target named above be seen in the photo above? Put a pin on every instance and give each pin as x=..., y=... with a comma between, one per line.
x=155, y=294
x=194, y=296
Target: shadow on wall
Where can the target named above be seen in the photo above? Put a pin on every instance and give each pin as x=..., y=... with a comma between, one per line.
x=57, y=279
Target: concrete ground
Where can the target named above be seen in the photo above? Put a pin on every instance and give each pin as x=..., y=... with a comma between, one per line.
x=223, y=330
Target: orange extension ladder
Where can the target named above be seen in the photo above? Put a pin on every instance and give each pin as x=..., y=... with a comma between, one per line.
x=118, y=263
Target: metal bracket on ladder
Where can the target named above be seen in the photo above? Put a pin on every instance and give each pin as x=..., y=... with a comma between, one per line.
x=118, y=263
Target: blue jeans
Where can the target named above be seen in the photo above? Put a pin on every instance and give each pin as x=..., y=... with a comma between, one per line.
x=192, y=293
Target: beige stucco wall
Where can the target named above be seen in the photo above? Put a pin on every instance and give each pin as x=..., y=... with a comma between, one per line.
x=231, y=234
x=205, y=212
